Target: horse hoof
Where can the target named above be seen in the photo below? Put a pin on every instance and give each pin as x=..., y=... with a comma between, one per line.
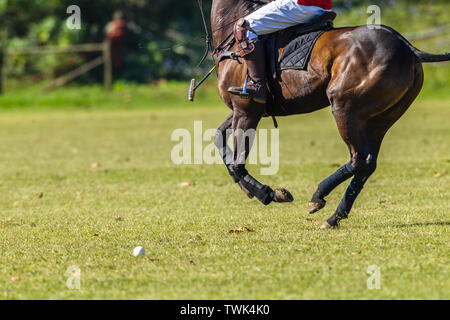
x=282, y=195
x=330, y=224
x=248, y=193
x=325, y=226
x=316, y=206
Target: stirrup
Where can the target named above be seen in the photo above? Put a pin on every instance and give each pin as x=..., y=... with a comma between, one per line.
x=241, y=92
x=244, y=94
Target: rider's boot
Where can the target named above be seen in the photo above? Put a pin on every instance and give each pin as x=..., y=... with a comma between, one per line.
x=255, y=57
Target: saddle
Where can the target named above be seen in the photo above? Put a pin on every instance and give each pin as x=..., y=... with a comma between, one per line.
x=286, y=49
x=291, y=48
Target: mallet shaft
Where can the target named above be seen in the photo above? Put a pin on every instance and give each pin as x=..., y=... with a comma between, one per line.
x=205, y=77
x=194, y=87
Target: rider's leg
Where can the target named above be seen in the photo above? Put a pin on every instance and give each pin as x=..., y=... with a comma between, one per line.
x=275, y=16
x=281, y=14
x=254, y=54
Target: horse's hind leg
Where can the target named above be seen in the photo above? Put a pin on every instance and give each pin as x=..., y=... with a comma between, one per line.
x=365, y=149
x=364, y=153
x=329, y=184
x=363, y=169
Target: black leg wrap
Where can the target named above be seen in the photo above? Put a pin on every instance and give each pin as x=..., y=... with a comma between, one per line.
x=262, y=192
x=362, y=173
x=318, y=197
x=346, y=204
x=336, y=218
x=232, y=173
x=330, y=183
x=224, y=151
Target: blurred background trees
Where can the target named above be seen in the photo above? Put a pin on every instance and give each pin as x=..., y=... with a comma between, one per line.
x=167, y=38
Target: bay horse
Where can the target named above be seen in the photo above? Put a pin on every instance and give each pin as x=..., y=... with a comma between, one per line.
x=369, y=76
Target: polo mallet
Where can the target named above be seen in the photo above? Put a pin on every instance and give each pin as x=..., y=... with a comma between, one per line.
x=193, y=87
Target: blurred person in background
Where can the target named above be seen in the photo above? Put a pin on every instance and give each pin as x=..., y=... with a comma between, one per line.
x=116, y=35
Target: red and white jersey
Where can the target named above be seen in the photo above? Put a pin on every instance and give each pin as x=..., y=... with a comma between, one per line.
x=324, y=4
x=282, y=14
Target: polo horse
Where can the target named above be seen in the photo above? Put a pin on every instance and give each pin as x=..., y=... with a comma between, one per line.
x=368, y=75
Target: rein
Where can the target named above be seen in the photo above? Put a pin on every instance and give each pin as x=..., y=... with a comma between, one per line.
x=208, y=36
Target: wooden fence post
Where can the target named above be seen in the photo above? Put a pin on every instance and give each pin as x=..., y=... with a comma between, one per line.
x=107, y=76
x=62, y=81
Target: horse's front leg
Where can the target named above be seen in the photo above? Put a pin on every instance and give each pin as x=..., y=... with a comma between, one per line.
x=222, y=135
x=244, y=131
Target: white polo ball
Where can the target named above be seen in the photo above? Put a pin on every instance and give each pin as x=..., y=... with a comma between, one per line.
x=139, y=251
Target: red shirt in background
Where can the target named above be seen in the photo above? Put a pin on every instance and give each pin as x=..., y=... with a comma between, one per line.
x=117, y=30
x=116, y=35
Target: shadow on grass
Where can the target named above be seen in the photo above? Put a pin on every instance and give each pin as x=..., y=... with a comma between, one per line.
x=405, y=225
x=423, y=224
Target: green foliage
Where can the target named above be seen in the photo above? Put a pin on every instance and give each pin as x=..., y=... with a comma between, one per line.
x=163, y=48
x=171, y=38
x=124, y=96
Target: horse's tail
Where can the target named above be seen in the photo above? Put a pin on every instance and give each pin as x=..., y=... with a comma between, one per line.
x=423, y=57
x=429, y=57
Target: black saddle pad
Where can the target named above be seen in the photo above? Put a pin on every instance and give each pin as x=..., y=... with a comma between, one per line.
x=298, y=43
x=297, y=53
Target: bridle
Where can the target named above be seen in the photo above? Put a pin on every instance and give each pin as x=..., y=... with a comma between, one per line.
x=228, y=41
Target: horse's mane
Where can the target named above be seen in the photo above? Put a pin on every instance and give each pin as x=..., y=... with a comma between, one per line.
x=226, y=12
x=250, y=5
x=241, y=7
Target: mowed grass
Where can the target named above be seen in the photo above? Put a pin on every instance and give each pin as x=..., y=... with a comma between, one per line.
x=58, y=211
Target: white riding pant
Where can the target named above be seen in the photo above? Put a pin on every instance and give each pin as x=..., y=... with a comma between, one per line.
x=280, y=14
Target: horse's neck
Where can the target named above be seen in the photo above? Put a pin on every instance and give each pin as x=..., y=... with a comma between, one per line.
x=225, y=12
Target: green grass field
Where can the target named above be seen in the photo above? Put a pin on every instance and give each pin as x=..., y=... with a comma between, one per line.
x=59, y=210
